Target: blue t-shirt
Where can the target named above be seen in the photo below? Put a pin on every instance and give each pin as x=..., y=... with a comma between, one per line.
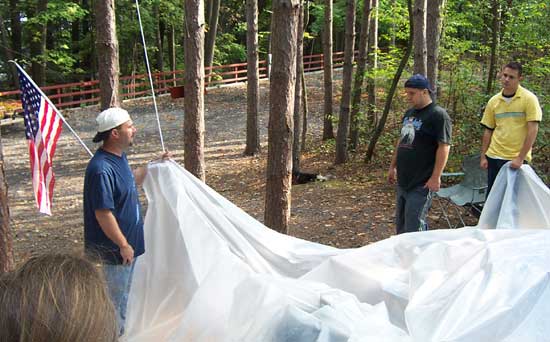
x=109, y=184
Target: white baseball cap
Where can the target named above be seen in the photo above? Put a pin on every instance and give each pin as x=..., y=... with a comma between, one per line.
x=109, y=119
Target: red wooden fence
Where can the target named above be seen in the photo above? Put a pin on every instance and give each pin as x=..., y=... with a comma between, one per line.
x=86, y=93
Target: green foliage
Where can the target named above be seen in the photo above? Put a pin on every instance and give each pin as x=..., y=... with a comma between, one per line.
x=228, y=51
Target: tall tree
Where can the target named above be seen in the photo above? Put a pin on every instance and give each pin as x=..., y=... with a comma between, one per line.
x=345, y=102
x=159, y=34
x=281, y=106
x=419, y=34
x=328, y=130
x=433, y=34
x=8, y=53
x=252, y=85
x=495, y=44
x=194, y=89
x=296, y=145
x=107, y=53
x=6, y=250
x=172, y=51
x=211, y=34
x=387, y=106
x=372, y=61
x=359, y=75
x=39, y=29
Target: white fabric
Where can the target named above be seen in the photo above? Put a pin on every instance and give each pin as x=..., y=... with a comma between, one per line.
x=518, y=199
x=213, y=273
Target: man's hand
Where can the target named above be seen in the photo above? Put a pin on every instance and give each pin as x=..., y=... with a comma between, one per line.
x=163, y=156
x=127, y=253
x=433, y=184
x=483, y=163
x=392, y=175
x=516, y=163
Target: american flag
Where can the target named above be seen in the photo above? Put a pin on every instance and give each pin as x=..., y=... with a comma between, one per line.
x=42, y=128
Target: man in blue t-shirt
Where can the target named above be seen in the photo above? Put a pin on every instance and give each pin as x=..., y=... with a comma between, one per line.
x=420, y=156
x=113, y=225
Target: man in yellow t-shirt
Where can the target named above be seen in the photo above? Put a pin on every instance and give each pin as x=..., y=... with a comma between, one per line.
x=511, y=120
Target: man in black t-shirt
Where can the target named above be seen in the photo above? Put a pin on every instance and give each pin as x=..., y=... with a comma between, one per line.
x=420, y=156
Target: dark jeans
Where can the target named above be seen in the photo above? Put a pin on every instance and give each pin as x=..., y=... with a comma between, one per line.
x=412, y=208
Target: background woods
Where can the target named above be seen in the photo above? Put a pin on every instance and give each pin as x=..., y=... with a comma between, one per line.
x=460, y=45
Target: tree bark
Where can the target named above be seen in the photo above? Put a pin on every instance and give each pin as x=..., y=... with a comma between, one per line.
x=419, y=37
x=296, y=145
x=6, y=245
x=372, y=61
x=194, y=89
x=359, y=75
x=252, y=85
x=328, y=130
x=433, y=34
x=107, y=53
x=345, y=103
x=305, y=111
x=172, y=52
x=38, y=45
x=158, y=38
x=211, y=35
x=380, y=127
x=13, y=79
x=281, y=105
x=15, y=26
x=495, y=45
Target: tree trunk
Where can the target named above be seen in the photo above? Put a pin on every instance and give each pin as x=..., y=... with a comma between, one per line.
x=433, y=34
x=38, y=45
x=6, y=246
x=345, y=103
x=172, y=52
x=359, y=75
x=372, y=61
x=419, y=34
x=211, y=36
x=495, y=45
x=15, y=26
x=107, y=53
x=296, y=145
x=380, y=127
x=13, y=79
x=281, y=105
x=252, y=85
x=158, y=38
x=194, y=89
x=305, y=111
x=328, y=130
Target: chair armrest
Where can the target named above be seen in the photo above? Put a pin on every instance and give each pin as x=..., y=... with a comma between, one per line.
x=452, y=174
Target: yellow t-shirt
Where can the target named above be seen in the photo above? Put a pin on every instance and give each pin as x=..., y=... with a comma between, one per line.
x=508, y=120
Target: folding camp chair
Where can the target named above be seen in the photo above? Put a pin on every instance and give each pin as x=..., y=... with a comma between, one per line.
x=468, y=194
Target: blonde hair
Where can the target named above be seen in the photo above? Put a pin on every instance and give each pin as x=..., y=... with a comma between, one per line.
x=56, y=298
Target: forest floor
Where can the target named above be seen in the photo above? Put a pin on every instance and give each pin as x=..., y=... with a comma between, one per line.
x=352, y=208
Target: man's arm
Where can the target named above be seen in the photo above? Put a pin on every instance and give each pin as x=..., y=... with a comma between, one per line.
x=532, y=130
x=109, y=225
x=392, y=172
x=441, y=156
x=485, y=141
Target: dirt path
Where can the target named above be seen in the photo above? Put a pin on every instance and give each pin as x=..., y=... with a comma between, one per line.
x=353, y=208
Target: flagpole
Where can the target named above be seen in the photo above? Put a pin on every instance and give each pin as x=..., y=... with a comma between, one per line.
x=150, y=78
x=54, y=107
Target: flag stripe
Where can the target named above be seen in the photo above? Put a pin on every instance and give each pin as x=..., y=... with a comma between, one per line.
x=42, y=128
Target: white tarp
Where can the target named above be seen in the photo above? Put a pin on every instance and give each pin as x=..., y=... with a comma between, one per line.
x=213, y=273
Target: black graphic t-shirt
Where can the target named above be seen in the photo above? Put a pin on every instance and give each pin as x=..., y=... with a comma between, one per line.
x=421, y=132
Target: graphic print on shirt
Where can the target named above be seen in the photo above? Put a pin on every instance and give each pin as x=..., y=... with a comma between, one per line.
x=410, y=126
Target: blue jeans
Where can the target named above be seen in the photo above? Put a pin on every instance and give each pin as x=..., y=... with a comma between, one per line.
x=412, y=208
x=119, y=281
